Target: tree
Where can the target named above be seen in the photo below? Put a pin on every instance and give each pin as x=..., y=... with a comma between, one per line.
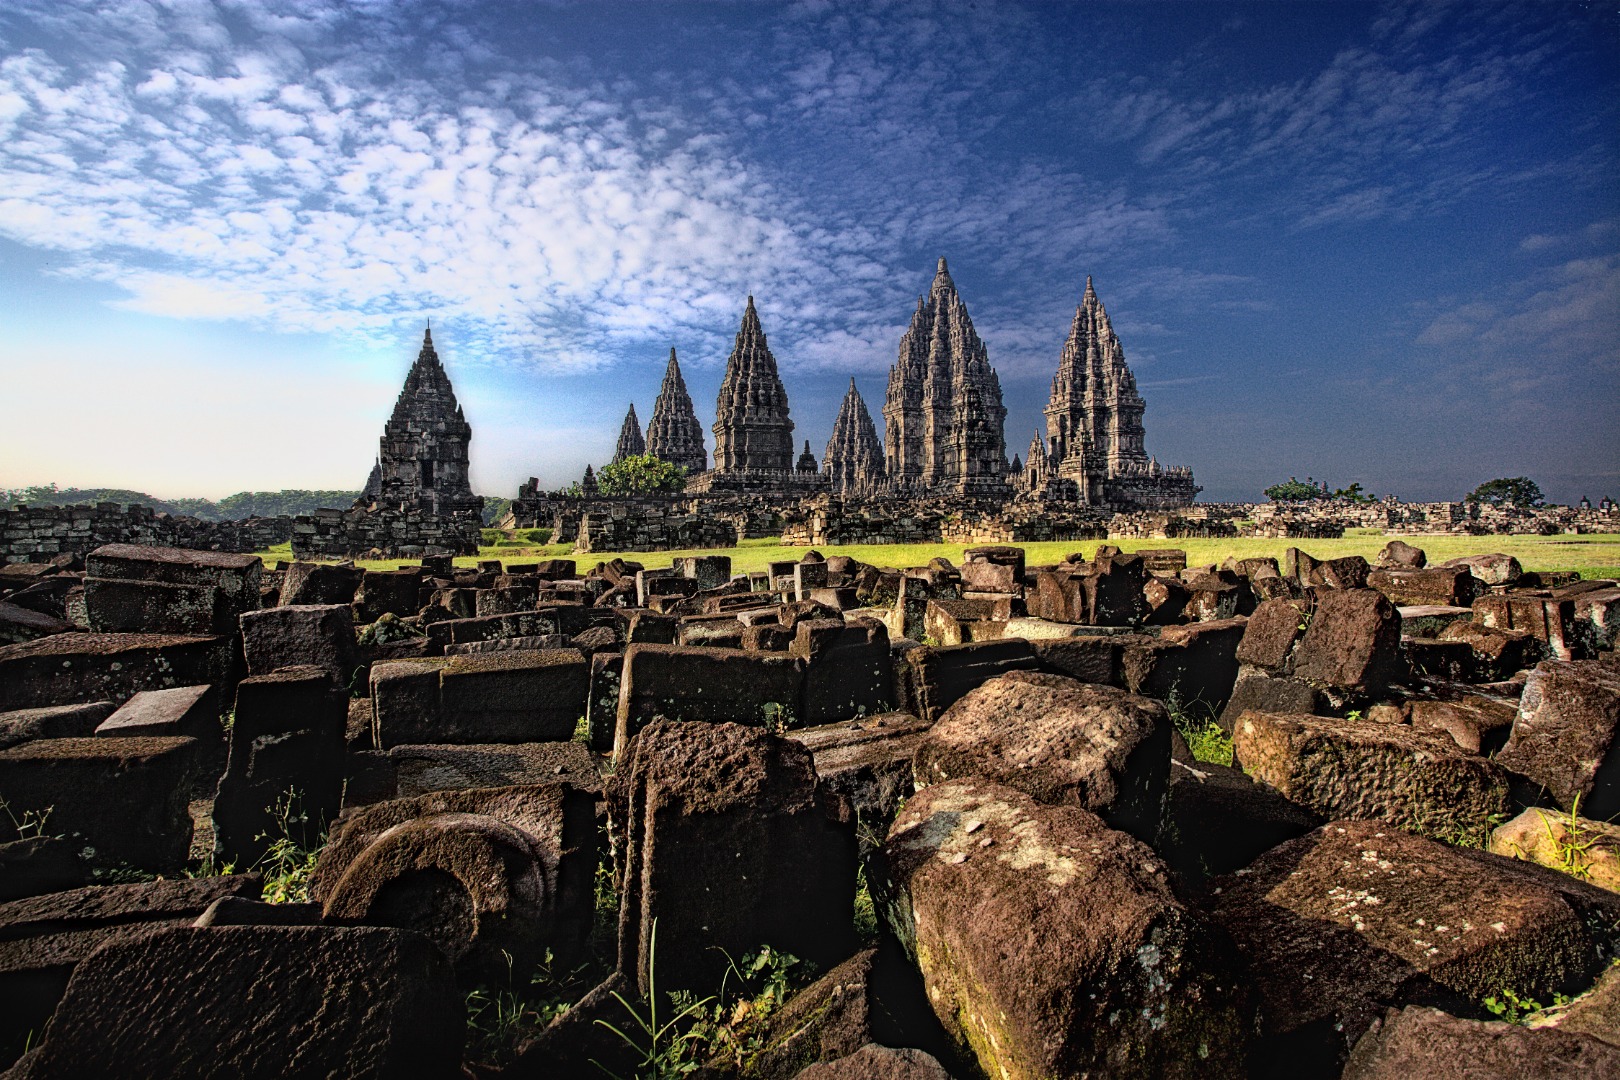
x=1512, y=491
x=1294, y=491
x=1354, y=494
x=640, y=475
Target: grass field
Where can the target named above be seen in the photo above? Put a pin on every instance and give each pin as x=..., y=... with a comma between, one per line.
x=1594, y=556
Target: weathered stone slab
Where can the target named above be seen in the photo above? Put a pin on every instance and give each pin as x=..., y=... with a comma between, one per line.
x=867, y=761
x=129, y=588
x=66, y=669
x=124, y=798
x=848, y=671
x=1567, y=735
x=1551, y=622
x=679, y=682
x=1364, y=769
x=708, y=810
x=1498, y=652
x=1061, y=742
x=424, y=768
x=318, y=583
x=240, y=998
x=1428, y=620
x=186, y=711
x=1009, y=905
x=1588, y=850
x=19, y=624
x=321, y=635
x=512, y=697
x=1430, y=1043
x=1438, y=587
x=1268, y=694
x=1357, y=916
x=52, y=722
x=388, y=592
x=1218, y=820
x=1495, y=569
x=940, y=676
x=1351, y=649
x=1194, y=664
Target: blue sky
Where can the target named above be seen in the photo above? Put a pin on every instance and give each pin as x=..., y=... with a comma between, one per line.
x=1364, y=242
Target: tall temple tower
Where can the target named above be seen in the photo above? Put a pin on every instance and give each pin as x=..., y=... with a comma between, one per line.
x=943, y=414
x=674, y=434
x=752, y=431
x=631, y=444
x=1094, y=431
x=422, y=464
x=853, y=462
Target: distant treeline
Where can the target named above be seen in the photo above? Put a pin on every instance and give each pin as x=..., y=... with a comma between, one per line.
x=244, y=504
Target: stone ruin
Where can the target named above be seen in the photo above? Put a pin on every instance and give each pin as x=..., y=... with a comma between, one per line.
x=1118, y=816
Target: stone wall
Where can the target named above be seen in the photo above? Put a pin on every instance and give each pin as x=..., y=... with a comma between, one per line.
x=383, y=534
x=41, y=533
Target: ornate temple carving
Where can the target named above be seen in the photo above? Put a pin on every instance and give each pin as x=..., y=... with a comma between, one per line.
x=674, y=434
x=422, y=461
x=631, y=444
x=853, y=463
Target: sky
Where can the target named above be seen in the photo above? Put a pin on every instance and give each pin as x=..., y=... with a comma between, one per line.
x=1369, y=243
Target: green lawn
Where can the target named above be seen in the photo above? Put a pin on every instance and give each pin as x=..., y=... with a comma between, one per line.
x=1595, y=556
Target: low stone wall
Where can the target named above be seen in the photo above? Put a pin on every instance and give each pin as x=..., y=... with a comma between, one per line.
x=41, y=533
x=621, y=528
x=383, y=534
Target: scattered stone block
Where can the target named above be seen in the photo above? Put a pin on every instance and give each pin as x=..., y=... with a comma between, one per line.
x=66, y=669
x=1342, y=768
x=1428, y=620
x=1357, y=916
x=306, y=634
x=709, y=571
x=1551, y=622
x=185, y=711
x=1060, y=742
x=1195, y=664
x=679, y=682
x=939, y=677
x=405, y=702
x=129, y=588
x=1398, y=553
x=708, y=809
x=305, y=583
x=1438, y=587
x=40, y=864
x=868, y=762
x=243, y=999
x=1567, y=735
x=52, y=722
x=125, y=799
x=536, y=696
x=19, y=624
x=1088, y=658
x=1268, y=694
x=1498, y=653
x=1586, y=849
x=426, y=768
x=44, y=937
x=1008, y=905
x=1431, y=1043
x=1269, y=637
x=1477, y=723
x=1218, y=820
x=874, y=1062
x=388, y=592
x=284, y=774
x=1351, y=649
x=847, y=669
x=1495, y=569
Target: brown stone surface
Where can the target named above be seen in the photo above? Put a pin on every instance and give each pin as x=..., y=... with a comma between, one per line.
x=940, y=676
x=256, y=1001
x=288, y=636
x=1357, y=916
x=1595, y=1013
x=1586, y=849
x=422, y=768
x=709, y=811
x=875, y=1062
x=1498, y=652
x=1567, y=735
x=867, y=761
x=1195, y=664
x=1352, y=645
x=1009, y=905
x=1218, y=820
x=1061, y=742
x=1424, y=1042
x=52, y=722
x=1364, y=769
x=66, y=669
x=522, y=696
x=43, y=937
x=680, y=682
x=1442, y=588
x=1263, y=693
x=1489, y=569
x=190, y=711
x=123, y=798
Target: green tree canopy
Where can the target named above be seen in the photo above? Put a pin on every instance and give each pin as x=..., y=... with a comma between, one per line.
x=1294, y=491
x=1511, y=491
x=640, y=475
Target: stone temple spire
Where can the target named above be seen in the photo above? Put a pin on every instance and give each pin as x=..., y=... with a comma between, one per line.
x=854, y=458
x=422, y=464
x=1094, y=398
x=943, y=414
x=630, y=442
x=752, y=430
x=674, y=434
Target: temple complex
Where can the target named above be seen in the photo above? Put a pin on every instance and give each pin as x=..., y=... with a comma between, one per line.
x=631, y=444
x=853, y=463
x=753, y=434
x=943, y=416
x=1094, y=452
x=422, y=464
x=674, y=434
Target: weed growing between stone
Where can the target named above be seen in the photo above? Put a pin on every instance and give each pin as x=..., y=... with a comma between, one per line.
x=1196, y=723
x=286, y=866
x=1572, y=845
x=1506, y=1005
x=31, y=826
x=866, y=921
x=727, y=1029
